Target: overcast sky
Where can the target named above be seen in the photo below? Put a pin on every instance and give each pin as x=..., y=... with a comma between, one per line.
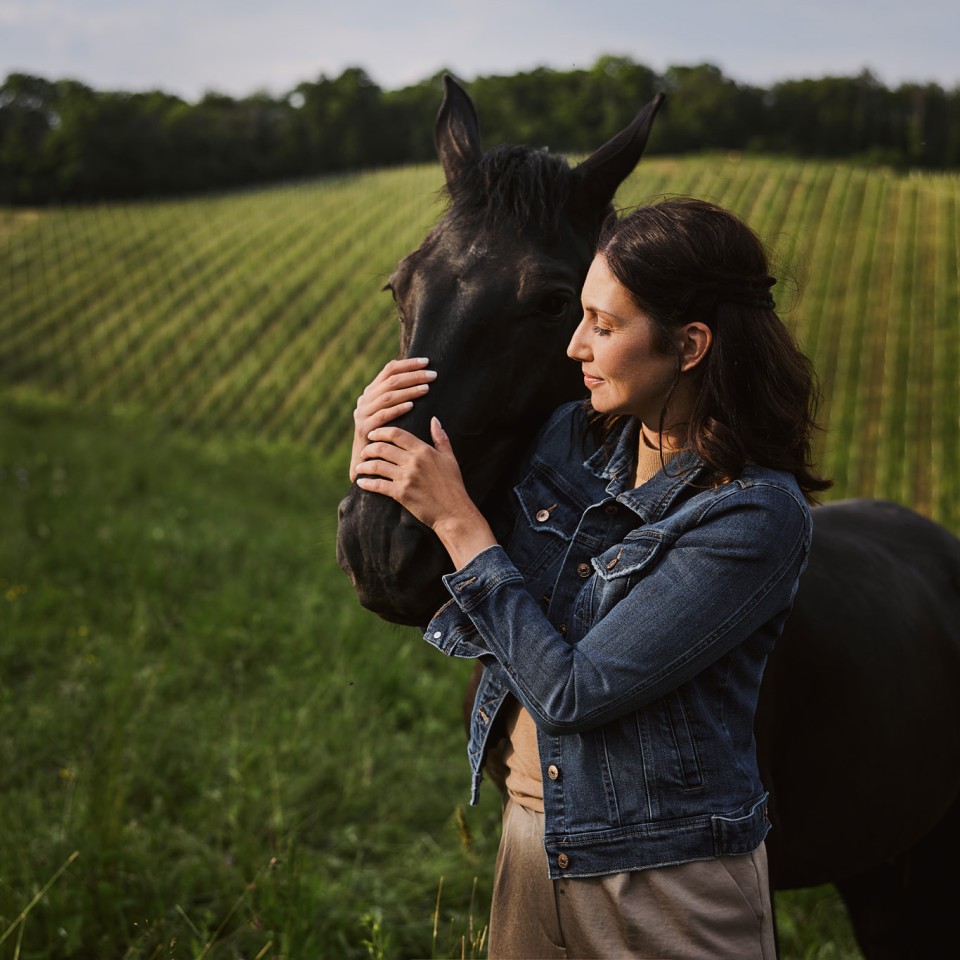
x=237, y=47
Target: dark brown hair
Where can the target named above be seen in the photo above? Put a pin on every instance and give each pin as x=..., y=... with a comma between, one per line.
x=685, y=260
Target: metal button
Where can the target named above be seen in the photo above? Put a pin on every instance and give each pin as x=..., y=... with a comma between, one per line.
x=553, y=771
x=583, y=569
x=543, y=516
x=610, y=508
x=563, y=861
x=563, y=629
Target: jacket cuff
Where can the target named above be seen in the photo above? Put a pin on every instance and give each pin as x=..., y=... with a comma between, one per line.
x=451, y=630
x=488, y=570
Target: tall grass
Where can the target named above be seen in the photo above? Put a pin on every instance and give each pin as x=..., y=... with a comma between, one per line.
x=192, y=700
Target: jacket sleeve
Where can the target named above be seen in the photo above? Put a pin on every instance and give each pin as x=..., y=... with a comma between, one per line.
x=708, y=591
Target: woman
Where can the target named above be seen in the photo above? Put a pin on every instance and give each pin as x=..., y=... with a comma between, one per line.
x=624, y=625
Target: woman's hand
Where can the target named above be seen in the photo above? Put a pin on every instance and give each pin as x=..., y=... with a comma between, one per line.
x=390, y=395
x=427, y=481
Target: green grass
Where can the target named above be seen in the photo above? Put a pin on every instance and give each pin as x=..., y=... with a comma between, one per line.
x=194, y=702
x=208, y=749
x=242, y=761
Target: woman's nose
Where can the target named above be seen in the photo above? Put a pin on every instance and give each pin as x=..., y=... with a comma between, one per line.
x=577, y=348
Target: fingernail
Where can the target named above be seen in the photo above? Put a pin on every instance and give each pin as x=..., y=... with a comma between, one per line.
x=430, y=374
x=423, y=360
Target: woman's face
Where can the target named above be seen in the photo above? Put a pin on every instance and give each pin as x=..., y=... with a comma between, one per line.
x=616, y=344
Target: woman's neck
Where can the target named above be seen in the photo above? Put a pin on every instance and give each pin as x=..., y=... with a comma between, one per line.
x=651, y=456
x=670, y=441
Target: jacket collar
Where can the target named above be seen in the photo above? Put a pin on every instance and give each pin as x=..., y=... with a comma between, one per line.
x=653, y=499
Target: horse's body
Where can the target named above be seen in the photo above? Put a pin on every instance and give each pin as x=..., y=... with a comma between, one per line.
x=858, y=728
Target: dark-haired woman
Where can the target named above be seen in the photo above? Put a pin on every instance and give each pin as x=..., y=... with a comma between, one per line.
x=625, y=623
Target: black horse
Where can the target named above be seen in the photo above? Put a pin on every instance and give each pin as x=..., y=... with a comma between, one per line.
x=858, y=727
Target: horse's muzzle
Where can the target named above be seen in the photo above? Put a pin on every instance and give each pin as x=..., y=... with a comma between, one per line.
x=393, y=561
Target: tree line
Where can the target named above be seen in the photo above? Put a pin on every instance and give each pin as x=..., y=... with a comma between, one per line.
x=62, y=141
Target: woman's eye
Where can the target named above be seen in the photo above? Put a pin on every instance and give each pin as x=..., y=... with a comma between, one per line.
x=554, y=305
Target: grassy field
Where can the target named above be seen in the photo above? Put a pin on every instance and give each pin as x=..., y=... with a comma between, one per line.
x=193, y=702
x=208, y=749
x=242, y=762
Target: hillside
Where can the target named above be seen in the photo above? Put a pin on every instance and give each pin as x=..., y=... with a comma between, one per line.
x=261, y=313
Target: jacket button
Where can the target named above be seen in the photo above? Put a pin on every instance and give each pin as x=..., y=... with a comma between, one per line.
x=543, y=516
x=563, y=629
x=610, y=508
x=563, y=861
x=583, y=569
x=553, y=771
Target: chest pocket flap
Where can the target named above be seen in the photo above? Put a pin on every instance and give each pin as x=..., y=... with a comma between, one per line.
x=634, y=557
x=546, y=506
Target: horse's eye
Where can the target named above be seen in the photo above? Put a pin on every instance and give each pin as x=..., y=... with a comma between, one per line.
x=554, y=305
x=389, y=288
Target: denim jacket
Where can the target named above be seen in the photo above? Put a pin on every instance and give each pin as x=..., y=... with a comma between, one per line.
x=634, y=625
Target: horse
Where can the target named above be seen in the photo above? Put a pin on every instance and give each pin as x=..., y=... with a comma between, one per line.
x=858, y=722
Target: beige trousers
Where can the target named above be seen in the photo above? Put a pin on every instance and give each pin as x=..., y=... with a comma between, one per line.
x=707, y=910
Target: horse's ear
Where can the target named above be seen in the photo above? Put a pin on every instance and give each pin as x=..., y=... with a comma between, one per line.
x=598, y=177
x=458, y=130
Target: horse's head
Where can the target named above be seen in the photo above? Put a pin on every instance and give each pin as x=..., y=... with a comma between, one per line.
x=491, y=297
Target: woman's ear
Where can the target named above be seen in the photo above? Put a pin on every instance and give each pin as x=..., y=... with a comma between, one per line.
x=695, y=341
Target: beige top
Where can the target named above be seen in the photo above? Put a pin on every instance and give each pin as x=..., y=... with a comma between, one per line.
x=524, y=781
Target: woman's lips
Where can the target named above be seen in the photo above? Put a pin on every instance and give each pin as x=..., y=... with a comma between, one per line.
x=591, y=381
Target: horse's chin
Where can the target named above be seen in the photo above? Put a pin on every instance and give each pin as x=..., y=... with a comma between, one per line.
x=394, y=562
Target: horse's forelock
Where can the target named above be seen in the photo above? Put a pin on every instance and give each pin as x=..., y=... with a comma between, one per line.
x=513, y=186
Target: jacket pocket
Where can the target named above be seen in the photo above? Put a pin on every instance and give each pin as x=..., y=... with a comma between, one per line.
x=616, y=572
x=546, y=522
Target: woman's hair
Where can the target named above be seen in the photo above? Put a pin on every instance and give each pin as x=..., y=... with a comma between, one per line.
x=685, y=260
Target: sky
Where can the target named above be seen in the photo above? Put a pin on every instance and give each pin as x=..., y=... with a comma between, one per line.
x=239, y=47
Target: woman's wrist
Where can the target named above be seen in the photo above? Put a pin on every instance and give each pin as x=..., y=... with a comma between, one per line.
x=464, y=535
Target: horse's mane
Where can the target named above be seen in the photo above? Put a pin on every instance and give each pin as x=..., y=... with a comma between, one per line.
x=513, y=186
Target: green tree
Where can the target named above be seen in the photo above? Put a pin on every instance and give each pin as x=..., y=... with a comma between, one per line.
x=832, y=117
x=707, y=111
x=339, y=121
x=110, y=144
x=28, y=112
x=409, y=116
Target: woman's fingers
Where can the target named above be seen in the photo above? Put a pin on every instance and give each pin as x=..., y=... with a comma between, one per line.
x=381, y=466
x=369, y=404
x=395, y=367
x=394, y=389
x=391, y=394
x=376, y=467
x=390, y=445
x=398, y=374
x=394, y=437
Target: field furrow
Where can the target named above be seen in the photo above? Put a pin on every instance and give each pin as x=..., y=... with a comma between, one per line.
x=260, y=313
